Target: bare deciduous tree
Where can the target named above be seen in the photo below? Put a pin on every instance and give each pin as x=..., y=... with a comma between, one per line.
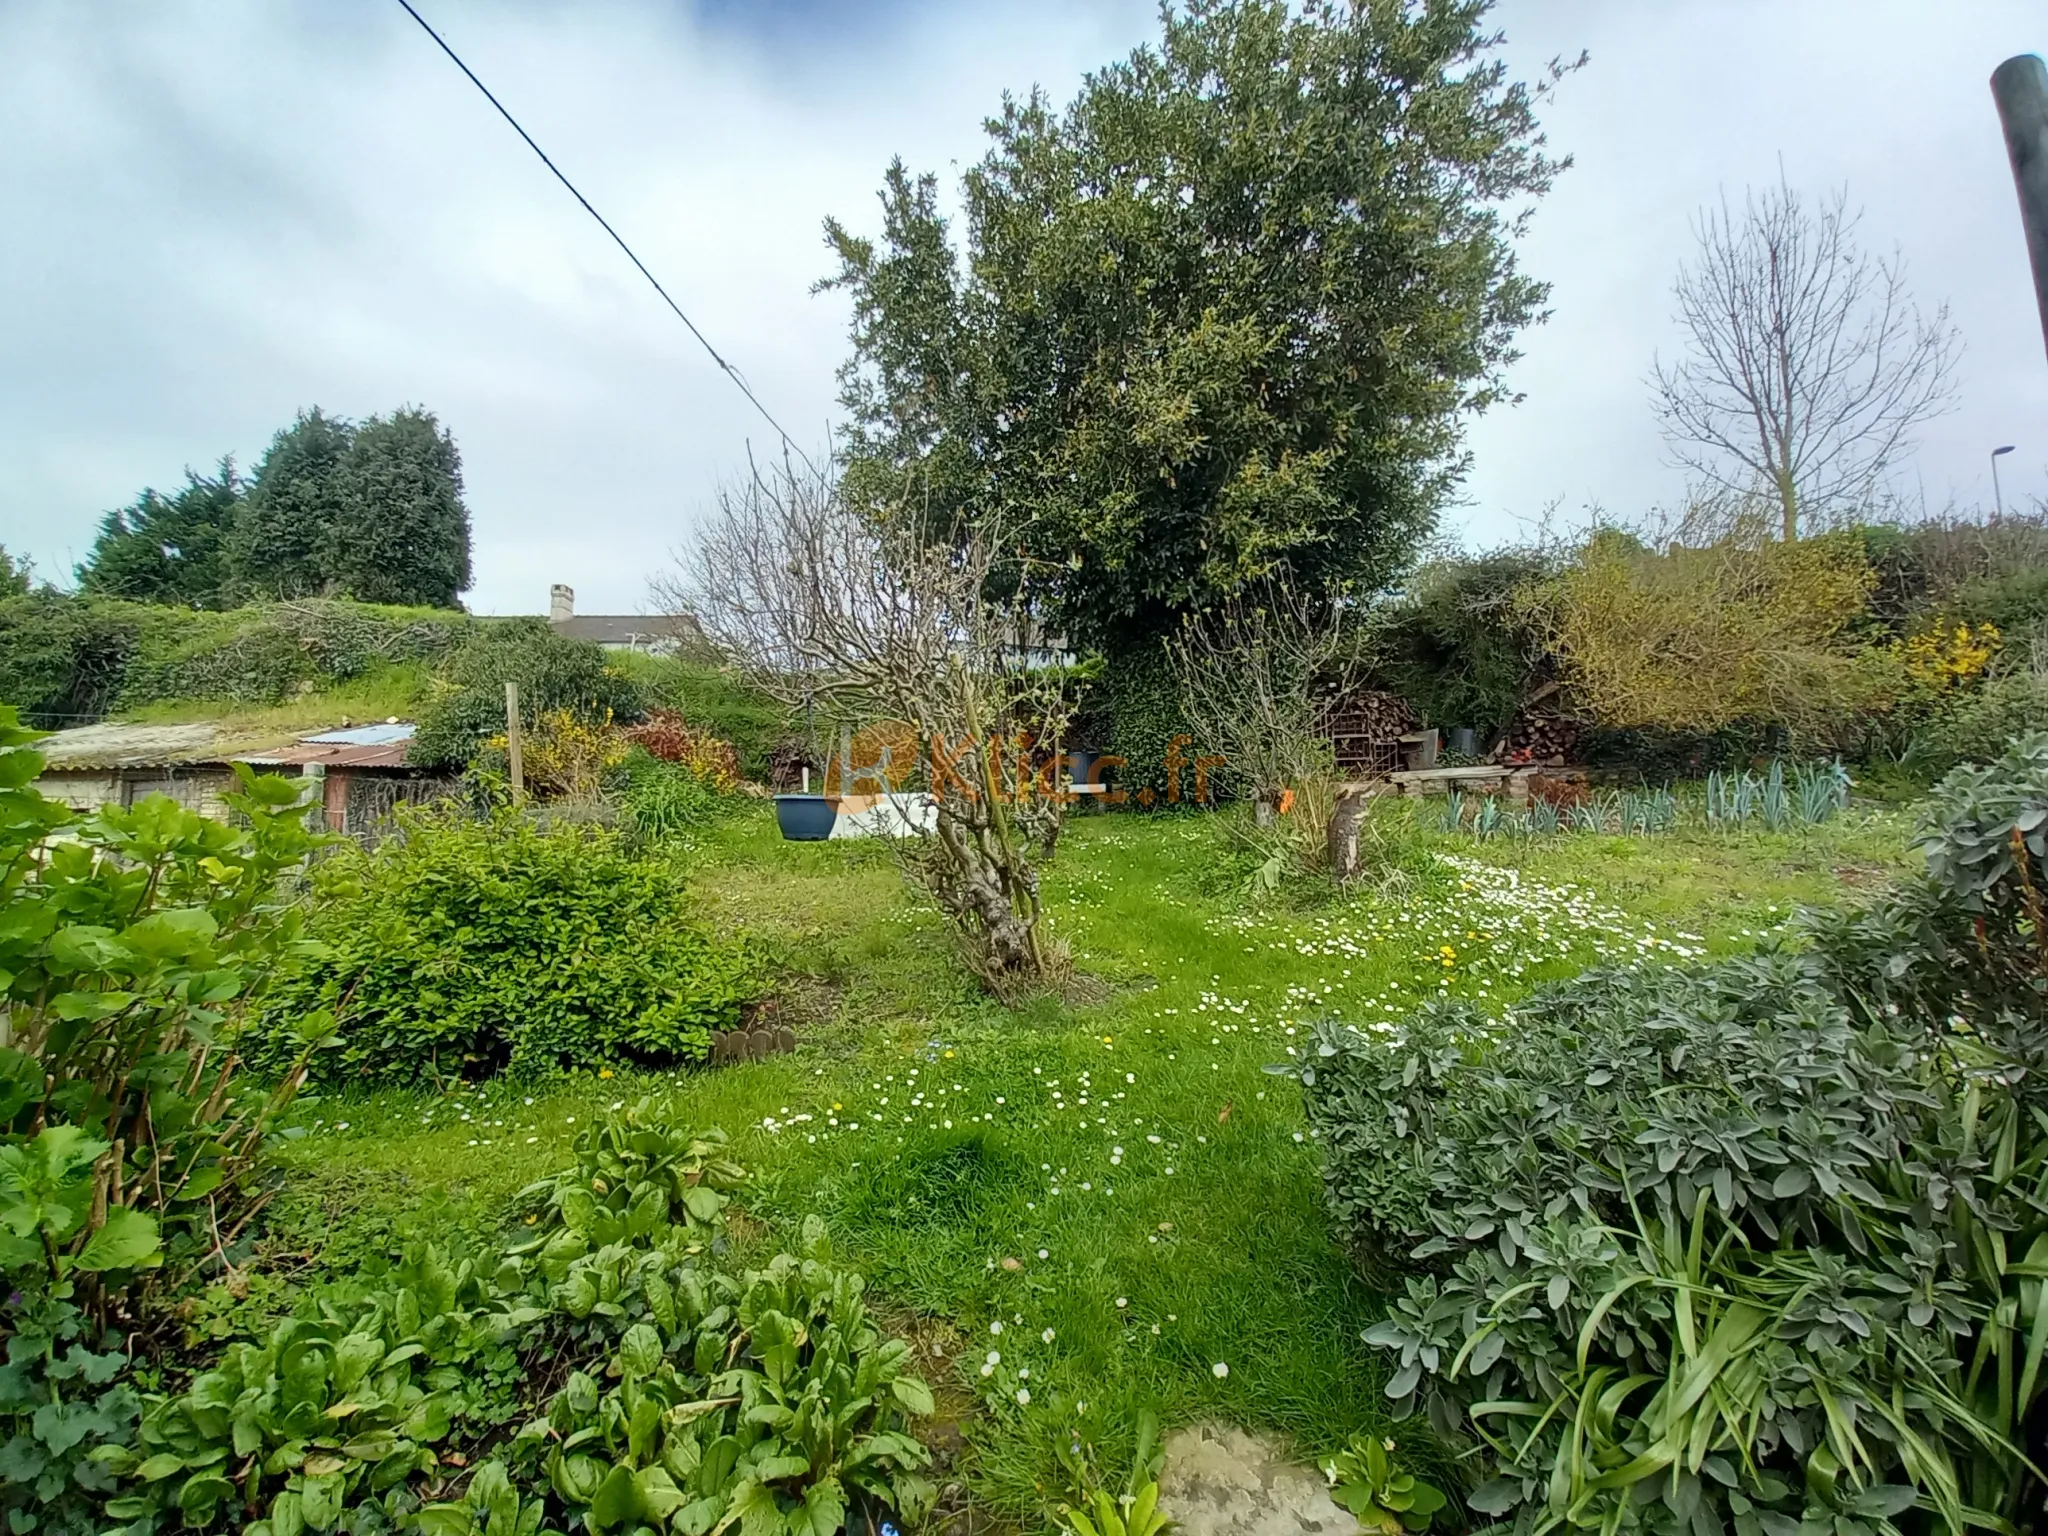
x=1806, y=369
x=1257, y=677
x=877, y=621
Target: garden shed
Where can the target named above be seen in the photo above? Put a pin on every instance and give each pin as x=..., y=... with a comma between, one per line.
x=364, y=770
x=115, y=764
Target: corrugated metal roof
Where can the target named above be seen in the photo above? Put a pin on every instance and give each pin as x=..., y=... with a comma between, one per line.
x=110, y=745
x=334, y=755
x=367, y=735
x=360, y=746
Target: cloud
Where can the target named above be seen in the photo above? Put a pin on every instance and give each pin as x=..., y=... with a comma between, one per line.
x=212, y=215
x=215, y=212
x=1686, y=100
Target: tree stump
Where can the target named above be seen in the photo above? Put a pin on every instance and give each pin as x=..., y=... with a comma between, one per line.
x=1342, y=837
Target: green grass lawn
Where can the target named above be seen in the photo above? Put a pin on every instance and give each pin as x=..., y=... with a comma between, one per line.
x=1085, y=1209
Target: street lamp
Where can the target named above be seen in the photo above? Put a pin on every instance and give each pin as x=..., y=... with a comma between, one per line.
x=1996, y=455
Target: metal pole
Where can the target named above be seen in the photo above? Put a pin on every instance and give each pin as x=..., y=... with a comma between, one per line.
x=514, y=761
x=2020, y=87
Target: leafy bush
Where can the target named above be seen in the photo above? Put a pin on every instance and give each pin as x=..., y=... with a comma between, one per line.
x=553, y=672
x=1977, y=726
x=1458, y=644
x=1143, y=701
x=1741, y=1246
x=714, y=700
x=563, y=756
x=125, y=945
x=462, y=948
x=63, y=659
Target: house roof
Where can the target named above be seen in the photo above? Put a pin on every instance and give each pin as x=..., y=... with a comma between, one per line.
x=362, y=746
x=112, y=745
x=630, y=628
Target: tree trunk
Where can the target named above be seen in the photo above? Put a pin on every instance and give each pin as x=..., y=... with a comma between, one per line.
x=1342, y=837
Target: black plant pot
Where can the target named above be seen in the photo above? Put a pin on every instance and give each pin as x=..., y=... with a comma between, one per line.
x=805, y=818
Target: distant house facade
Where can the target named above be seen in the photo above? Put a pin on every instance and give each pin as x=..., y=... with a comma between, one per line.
x=658, y=634
x=363, y=768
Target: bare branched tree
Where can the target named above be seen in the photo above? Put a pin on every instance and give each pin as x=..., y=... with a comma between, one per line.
x=876, y=621
x=1257, y=677
x=1807, y=370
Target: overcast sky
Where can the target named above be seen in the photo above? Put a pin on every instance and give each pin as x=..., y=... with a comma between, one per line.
x=215, y=213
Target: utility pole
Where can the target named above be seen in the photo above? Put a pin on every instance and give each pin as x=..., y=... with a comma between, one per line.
x=2020, y=87
x=514, y=762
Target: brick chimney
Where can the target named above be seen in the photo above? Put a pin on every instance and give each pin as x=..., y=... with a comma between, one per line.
x=561, y=603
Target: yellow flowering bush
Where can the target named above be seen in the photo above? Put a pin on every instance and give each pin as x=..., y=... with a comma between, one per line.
x=1947, y=656
x=565, y=758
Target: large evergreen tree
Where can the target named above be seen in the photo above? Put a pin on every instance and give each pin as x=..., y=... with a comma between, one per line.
x=284, y=536
x=1225, y=315
x=167, y=549
x=401, y=531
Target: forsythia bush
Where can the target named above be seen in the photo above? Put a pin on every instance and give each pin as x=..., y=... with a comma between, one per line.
x=461, y=948
x=1698, y=638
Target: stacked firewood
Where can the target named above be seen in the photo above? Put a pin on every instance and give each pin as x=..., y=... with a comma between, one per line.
x=1369, y=714
x=786, y=764
x=1542, y=739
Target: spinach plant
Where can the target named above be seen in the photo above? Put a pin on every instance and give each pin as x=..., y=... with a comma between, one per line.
x=331, y=1412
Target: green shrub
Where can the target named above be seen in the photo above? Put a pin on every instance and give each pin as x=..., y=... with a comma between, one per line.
x=1739, y=1246
x=553, y=673
x=1978, y=725
x=461, y=948
x=1457, y=644
x=63, y=659
x=1145, y=718
x=128, y=939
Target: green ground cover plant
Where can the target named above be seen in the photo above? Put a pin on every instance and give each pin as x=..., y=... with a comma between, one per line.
x=1753, y=1243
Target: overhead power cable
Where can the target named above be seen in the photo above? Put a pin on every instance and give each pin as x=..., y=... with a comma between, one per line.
x=702, y=340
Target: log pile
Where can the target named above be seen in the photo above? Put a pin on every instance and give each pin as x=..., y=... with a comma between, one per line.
x=786, y=764
x=1551, y=739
